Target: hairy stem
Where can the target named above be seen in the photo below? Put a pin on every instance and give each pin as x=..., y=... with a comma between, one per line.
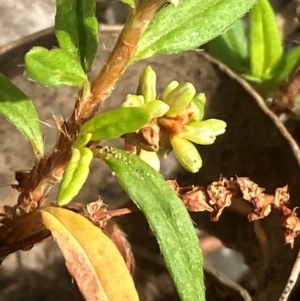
x=35, y=185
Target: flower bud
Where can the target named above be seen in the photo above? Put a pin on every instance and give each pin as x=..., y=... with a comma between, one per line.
x=186, y=154
x=157, y=108
x=203, y=132
x=147, y=84
x=217, y=125
x=170, y=87
x=179, y=98
x=199, y=135
x=132, y=100
x=151, y=158
x=196, y=110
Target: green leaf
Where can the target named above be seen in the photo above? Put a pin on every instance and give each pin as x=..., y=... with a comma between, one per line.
x=82, y=140
x=54, y=68
x=167, y=217
x=131, y=3
x=20, y=111
x=265, y=41
x=116, y=123
x=231, y=48
x=76, y=29
x=189, y=25
x=285, y=66
x=74, y=175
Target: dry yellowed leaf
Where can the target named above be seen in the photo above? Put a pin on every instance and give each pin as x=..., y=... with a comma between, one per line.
x=91, y=257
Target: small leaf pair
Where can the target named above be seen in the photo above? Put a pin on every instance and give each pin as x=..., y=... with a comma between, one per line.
x=74, y=175
x=76, y=29
x=107, y=125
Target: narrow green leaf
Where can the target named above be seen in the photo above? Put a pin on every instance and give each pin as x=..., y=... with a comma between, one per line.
x=231, y=48
x=116, y=123
x=54, y=68
x=76, y=29
x=75, y=175
x=167, y=217
x=265, y=41
x=82, y=140
x=189, y=25
x=286, y=65
x=20, y=111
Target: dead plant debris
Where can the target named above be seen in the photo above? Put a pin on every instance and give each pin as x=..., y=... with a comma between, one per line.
x=219, y=194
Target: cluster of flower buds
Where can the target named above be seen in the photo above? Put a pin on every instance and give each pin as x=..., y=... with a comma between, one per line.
x=176, y=125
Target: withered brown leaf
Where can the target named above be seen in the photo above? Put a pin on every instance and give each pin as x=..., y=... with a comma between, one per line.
x=91, y=257
x=220, y=197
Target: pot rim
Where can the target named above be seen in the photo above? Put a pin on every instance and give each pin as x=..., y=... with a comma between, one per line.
x=12, y=54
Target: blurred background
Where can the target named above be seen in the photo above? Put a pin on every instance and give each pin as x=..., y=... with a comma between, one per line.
x=20, y=18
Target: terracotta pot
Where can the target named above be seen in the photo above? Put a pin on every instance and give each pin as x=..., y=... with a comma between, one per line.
x=255, y=145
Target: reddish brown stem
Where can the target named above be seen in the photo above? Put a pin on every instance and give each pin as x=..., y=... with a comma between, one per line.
x=49, y=169
x=120, y=58
x=284, y=100
x=24, y=231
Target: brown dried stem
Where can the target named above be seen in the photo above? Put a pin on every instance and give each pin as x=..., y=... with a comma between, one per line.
x=213, y=198
x=24, y=231
x=284, y=99
x=21, y=233
x=219, y=194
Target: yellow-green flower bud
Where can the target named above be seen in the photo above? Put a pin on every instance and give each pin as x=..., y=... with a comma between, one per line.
x=217, y=125
x=170, y=87
x=147, y=84
x=132, y=100
x=199, y=135
x=186, y=154
x=157, y=108
x=179, y=98
x=196, y=110
x=151, y=158
x=203, y=132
